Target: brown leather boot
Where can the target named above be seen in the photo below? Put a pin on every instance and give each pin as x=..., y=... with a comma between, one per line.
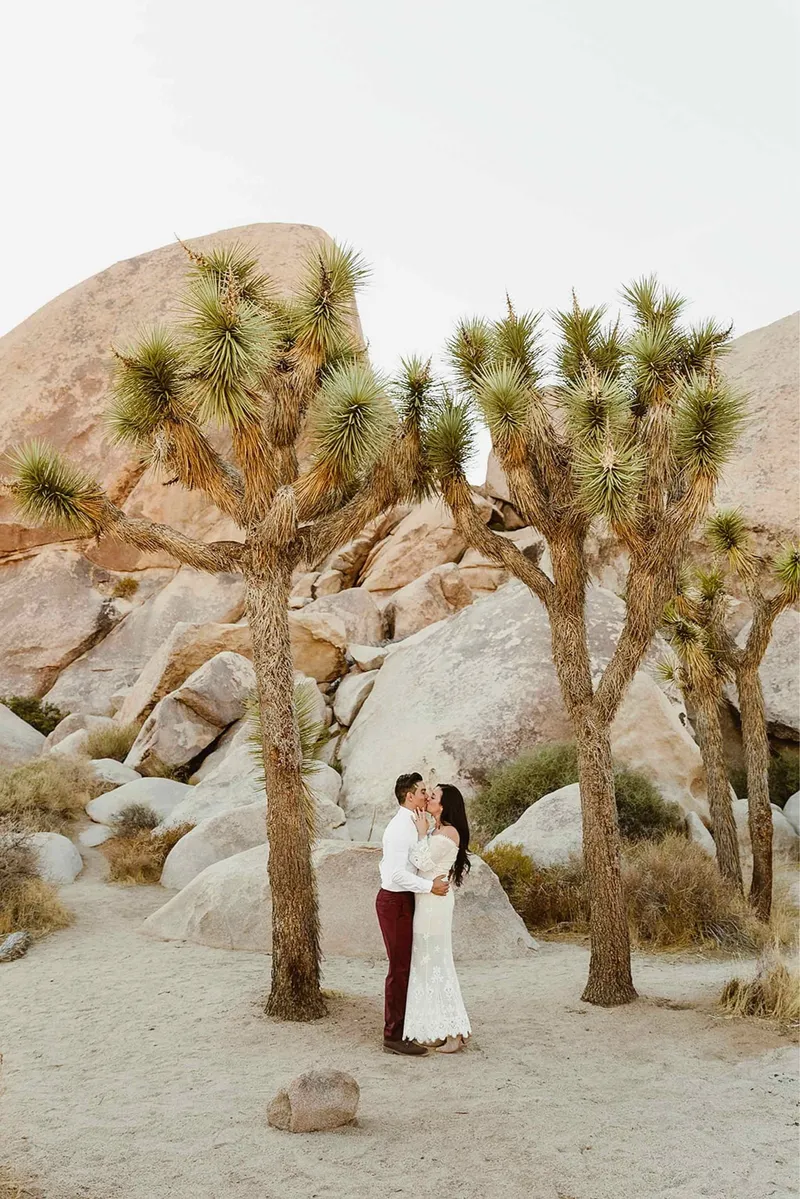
x=404, y=1048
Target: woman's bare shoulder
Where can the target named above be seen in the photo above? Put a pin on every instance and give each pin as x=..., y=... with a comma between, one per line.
x=448, y=831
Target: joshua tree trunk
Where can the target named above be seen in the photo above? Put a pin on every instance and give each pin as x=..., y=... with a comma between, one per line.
x=610, y=979
x=723, y=825
x=295, y=992
x=756, y=753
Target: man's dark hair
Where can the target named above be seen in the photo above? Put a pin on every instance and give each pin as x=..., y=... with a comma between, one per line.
x=405, y=785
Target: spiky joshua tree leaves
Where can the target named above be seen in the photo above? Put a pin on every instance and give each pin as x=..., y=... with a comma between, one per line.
x=264, y=369
x=634, y=433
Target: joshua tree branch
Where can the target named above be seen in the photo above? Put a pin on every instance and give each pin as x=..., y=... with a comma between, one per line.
x=147, y=535
x=477, y=534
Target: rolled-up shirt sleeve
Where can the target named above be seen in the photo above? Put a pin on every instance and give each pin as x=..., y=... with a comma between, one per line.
x=397, y=848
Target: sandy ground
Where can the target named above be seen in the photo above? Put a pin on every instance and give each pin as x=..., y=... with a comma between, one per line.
x=135, y=1069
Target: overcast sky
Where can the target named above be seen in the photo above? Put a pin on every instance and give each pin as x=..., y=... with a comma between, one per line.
x=466, y=148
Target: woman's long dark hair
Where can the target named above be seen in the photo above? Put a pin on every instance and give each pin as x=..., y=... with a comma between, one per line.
x=455, y=814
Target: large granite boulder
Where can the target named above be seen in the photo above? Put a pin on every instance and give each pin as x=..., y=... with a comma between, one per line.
x=427, y=537
x=220, y=689
x=351, y=694
x=460, y=698
x=341, y=570
x=483, y=574
x=186, y=648
x=73, y=730
x=55, y=370
x=791, y=811
x=56, y=605
x=218, y=837
x=432, y=597
x=321, y=631
x=19, y=741
x=763, y=476
x=228, y=906
x=172, y=736
x=162, y=795
x=785, y=840
x=237, y=782
x=550, y=831
x=92, y=682
x=57, y=858
x=780, y=676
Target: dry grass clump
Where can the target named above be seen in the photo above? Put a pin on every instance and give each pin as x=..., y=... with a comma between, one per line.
x=139, y=857
x=676, y=897
x=548, y=898
x=125, y=587
x=47, y=794
x=26, y=901
x=111, y=741
x=772, y=994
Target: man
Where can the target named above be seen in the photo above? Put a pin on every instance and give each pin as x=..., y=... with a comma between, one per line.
x=395, y=908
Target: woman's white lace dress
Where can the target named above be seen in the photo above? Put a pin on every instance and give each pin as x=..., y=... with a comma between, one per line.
x=434, y=1007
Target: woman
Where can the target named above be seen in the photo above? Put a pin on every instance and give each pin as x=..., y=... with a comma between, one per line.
x=435, y=1012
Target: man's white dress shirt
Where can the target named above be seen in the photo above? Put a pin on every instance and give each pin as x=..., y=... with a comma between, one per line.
x=397, y=873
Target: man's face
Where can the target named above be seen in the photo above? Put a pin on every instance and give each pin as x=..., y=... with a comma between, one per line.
x=419, y=797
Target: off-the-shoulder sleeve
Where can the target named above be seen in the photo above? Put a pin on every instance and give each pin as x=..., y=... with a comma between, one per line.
x=420, y=856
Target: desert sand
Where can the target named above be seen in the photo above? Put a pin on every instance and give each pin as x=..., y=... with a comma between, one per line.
x=138, y=1069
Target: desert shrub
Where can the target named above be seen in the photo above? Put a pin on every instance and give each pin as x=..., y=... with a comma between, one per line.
x=784, y=777
x=773, y=993
x=47, y=794
x=674, y=893
x=548, y=898
x=139, y=857
x=513, y=868
x=518, y=784
x=677, y=897
x=35, y=712
x=643, y=813
x=125, y=587
x=111, y=741
x=137, y=817
x=26, y=901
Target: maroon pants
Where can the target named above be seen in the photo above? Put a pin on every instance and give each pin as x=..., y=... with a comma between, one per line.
x=396, y=917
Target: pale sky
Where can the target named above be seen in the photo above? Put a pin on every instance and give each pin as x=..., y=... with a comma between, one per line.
x=465, y=148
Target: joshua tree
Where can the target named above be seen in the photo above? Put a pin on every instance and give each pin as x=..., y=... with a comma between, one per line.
x=264, y=370
x=694, y=623
x=635, y=433
x=729, y=539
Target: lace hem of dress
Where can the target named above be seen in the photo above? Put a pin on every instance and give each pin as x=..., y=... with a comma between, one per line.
x=417, y=1031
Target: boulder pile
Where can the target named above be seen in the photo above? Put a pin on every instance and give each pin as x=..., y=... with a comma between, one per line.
x=421, y=653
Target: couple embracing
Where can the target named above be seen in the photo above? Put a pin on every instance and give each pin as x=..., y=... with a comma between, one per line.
x=424, y=858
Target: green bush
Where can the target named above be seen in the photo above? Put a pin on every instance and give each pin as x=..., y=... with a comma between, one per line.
x=515, y=786
x=35, y=712
x=643, y=814
x=784, y=776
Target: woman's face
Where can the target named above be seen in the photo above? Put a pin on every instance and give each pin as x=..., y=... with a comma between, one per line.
x=435, y=802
